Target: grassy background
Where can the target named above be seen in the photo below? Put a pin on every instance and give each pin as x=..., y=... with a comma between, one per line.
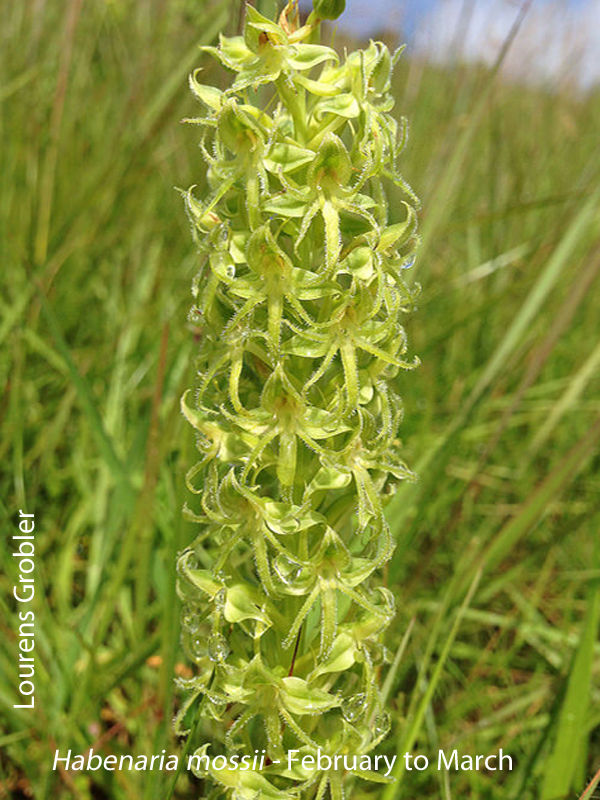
x=497, y=570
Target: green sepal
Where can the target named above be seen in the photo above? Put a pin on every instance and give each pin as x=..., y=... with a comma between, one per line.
x=243, y=603
x=359, y=262
x=184, y=718
x=343, y=105
x=287, y=157
x=209, y=95
x=332, y=166
x=256, y=24
x=300, y=698
x=285, y=206
x=249, y=785
x=319, y=88
x=307, y=56
x=341, y=656
x=329, y=478
x=394, y=235
x=232, y=52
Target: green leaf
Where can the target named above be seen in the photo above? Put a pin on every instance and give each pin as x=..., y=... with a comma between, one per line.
x=562, y=764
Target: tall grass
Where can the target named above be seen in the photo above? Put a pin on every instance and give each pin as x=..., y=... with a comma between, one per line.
x=497, y=564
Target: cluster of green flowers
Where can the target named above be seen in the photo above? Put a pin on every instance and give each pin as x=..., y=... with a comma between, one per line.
x=297, y=308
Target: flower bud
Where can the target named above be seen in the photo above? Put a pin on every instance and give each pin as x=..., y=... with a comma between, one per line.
x=329, y=9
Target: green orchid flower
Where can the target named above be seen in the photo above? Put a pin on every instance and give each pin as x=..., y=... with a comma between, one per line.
x=267, y=53
x=297, y=311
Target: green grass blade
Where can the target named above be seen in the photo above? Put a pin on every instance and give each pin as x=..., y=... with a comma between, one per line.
x=533, y=509
x=562, y=764
x=393, y=790
x=86, y=398
x=594, y=783
x=440, y=450
x=576, y=233
x=566, y=402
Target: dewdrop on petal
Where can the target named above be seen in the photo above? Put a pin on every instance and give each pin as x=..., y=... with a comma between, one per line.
x=382, y=724
x=220, y=598
x=218, y=649
x=189, y=619
x=354, y=707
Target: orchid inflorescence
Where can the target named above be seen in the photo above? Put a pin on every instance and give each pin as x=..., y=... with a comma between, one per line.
x=297, y=309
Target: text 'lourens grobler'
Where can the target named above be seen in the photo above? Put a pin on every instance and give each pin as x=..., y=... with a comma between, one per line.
x=24, y=592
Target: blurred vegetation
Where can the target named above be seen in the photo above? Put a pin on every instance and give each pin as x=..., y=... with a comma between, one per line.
x=497, y=570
